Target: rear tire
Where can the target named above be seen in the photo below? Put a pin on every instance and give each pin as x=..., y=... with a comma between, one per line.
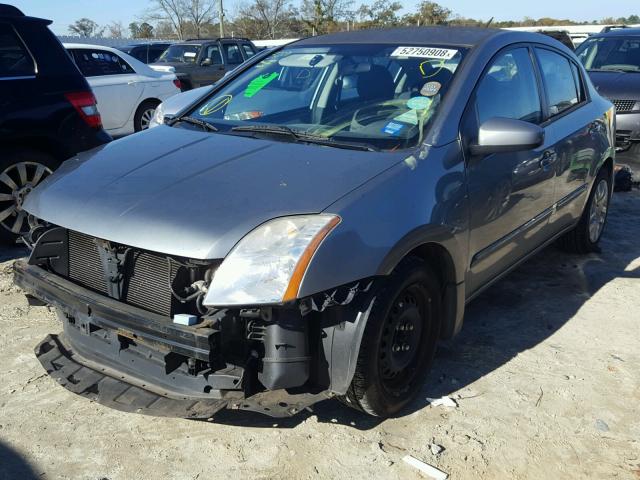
x=585, y=236
x=399, y=341
x=21, y=169
x=144, y=114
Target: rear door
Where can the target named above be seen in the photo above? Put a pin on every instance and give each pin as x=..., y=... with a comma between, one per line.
x=115, y=84
x=571, y=131
x=511, y=194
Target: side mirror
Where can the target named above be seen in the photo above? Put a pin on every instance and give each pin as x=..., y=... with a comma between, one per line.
x=499, y=135
x=206, y=62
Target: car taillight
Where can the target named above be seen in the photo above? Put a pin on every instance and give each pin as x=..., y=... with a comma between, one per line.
x=87, y=106
x=178, y=83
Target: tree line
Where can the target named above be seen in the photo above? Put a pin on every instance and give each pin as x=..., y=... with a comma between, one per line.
x=271, y=19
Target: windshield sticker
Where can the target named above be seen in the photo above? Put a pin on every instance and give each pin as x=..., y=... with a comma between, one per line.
x=425, y=52
x=189, y=54
x=410, y=117
x=259, y=83
x=392, y=128
x=419, y=103
x=215, y=105
x=430, y=89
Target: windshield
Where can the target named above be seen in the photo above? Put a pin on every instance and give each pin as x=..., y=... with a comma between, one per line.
x=180, y=53
x=611, y=53
x=381, y=96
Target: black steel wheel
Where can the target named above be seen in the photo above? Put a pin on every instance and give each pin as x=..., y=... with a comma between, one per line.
x=399, y=341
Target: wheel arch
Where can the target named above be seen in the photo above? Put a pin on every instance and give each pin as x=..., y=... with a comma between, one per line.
x=441, y=260
x=41, y=144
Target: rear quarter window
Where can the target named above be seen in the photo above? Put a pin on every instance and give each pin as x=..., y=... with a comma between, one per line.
x=15, y=60
x=95, y=63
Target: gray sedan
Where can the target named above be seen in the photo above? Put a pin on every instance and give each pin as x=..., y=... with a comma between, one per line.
x=312, y=226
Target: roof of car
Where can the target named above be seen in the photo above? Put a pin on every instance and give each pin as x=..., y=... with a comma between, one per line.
x=14, y=13
x=620, y=32
x=462, y=36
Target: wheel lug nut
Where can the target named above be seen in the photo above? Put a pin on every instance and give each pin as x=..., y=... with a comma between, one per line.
x=395, y=348
x=405, y=347
x=410, y=327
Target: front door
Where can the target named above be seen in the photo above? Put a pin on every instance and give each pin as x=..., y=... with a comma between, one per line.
x=511, y=194
x=210, y=67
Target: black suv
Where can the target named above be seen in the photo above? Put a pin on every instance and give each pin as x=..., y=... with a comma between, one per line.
x=47, y=113
x=205, y=61
x=146, y=52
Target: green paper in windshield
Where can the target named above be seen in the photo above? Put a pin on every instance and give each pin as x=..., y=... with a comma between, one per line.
x=259, y=83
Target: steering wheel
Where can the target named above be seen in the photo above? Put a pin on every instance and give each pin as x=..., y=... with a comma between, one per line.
x=378, y=111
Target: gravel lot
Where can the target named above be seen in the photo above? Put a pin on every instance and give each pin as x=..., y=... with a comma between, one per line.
x=546, y=374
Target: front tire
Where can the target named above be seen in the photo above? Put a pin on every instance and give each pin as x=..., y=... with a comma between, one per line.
x=585, y=236
x=399, y=341
x=144, y=115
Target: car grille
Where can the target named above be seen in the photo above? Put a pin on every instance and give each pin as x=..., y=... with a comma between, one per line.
x=624, y=105
x=149, y=275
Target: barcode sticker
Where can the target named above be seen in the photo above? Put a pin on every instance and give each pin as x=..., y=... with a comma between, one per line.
x=425, y=52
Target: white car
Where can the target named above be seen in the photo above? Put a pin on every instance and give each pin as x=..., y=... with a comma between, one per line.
x=127, y=90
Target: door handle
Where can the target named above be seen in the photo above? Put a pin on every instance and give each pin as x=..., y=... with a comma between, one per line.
x=547, y=159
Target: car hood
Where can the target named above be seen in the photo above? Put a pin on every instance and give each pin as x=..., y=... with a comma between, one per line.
x=193, y=194
x=617, y=85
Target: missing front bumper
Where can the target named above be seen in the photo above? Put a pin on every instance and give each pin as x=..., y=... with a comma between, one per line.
x=71, y=371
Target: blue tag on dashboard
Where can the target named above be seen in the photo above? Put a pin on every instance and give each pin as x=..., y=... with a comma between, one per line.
x=392, y=128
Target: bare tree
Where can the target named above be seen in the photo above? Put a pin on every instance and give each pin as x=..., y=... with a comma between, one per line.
x=185, y=16
x=322, y=16
x=429, y=13
x=85, y=27
x=265, y=18
x=116, y=30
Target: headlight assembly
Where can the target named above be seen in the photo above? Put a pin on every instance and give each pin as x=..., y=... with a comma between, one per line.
x=158, y=117
x=268, y=264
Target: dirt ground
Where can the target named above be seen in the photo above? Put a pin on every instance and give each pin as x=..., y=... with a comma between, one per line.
x=546, y=374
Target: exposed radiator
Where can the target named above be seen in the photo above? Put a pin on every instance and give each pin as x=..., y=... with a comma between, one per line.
x=148, y=275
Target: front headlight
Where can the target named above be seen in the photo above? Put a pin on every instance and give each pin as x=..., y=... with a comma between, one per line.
x=158, y=117
x=268, y=264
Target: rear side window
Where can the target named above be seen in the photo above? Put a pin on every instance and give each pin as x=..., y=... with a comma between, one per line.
x=560, y=82
x=509, y=89
x=248, y=50
x=15, y=60
x=154, y=53
x=139, y=53
x=95, y=63
x=232, y=51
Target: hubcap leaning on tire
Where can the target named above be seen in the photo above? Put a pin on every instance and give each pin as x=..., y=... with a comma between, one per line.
x=16, y=181
x=598, y=210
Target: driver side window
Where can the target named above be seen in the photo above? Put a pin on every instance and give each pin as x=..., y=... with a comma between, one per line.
x=509, y=89
x=213, y=52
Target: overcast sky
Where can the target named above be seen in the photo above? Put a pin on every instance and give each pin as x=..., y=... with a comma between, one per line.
x=65, y=12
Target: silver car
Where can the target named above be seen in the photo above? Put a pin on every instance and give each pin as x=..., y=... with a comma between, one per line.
x=317, y=222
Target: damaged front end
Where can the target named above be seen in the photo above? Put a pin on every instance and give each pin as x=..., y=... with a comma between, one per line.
x=137, y=336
